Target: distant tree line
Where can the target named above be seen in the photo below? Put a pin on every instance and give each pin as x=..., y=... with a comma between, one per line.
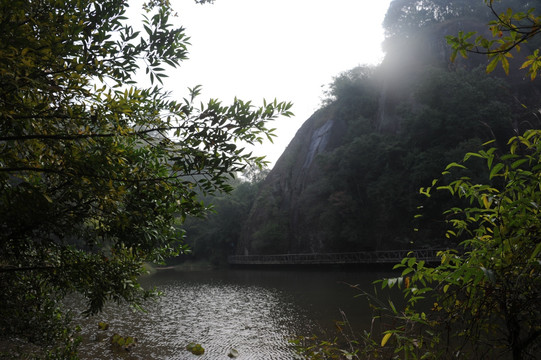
x=212, y=237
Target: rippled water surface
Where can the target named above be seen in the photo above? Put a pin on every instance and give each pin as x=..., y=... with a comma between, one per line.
x=254, y=312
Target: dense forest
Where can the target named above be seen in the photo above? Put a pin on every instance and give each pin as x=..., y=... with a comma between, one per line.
x=365, y=192
x=214, y=236
x=350, y=179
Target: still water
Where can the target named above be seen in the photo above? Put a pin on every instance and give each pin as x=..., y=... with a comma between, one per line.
x=252, y=311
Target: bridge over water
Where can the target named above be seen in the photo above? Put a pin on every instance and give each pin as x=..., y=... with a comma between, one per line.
x=363, y=257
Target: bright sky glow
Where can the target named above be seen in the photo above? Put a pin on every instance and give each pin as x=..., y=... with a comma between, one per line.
x=284, y=49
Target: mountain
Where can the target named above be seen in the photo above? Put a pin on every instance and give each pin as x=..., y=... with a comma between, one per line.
x=349, y=179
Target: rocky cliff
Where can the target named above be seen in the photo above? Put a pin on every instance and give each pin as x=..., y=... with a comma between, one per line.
x=302, y=208
x=277, y=222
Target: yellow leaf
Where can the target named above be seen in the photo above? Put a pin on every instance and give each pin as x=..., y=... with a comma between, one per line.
x=385, y=339
x=485, y=202
x=526, y=64
x=444, y=259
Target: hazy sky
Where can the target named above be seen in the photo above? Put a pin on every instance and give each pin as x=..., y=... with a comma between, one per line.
x=284, y=49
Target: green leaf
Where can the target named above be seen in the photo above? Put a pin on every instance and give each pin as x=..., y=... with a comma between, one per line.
x=392, y=307
x=492, y=65
x=505, y=65
x=496, y=169
x=517, y=163
x=470, y=154
x=454, y=164
x=147, y=29
x=535, y=252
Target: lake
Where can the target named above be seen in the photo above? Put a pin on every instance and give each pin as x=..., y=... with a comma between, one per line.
x=255, y=312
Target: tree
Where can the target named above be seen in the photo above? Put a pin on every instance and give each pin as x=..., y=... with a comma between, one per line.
x=368, y=181
x=510, y=30
x=94, y=170
x=214, y=237
x=485, y=294
x=405, y=17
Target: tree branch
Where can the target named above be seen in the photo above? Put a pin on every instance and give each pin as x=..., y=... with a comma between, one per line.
x=70, y=137
x=127, y=180
x=28, y=268
x=534, y=30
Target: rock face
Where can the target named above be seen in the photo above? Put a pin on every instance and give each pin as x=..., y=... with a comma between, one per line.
x=283, y=218
x=276, y=223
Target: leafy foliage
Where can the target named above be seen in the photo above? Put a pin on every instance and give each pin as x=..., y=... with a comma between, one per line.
x=485, y=294
x=214, y=237
x=195, y=349
x=510, y=29
x=121, y=343
x=95, y=171
x=344, y=346
x=368, y=181
x=404, y=17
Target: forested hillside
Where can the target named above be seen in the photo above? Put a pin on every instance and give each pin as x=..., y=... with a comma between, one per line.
x=350, y=178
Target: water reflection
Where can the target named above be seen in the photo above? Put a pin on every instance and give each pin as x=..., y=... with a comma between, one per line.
x=254, y=312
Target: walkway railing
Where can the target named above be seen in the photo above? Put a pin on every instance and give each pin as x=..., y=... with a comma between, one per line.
x=364, y=257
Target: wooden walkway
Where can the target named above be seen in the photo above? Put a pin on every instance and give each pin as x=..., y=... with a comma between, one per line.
x=365, y=257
